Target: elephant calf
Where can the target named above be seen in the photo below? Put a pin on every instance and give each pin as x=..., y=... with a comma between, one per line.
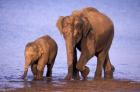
x=39, y=53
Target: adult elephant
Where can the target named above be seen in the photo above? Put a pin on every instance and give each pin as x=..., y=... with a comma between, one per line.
x=91, y=32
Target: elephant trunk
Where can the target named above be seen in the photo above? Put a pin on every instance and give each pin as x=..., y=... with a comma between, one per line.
x=26, y=66
x=70, y=53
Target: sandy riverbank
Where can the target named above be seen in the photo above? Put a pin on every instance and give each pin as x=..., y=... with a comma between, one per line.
x=79, y=86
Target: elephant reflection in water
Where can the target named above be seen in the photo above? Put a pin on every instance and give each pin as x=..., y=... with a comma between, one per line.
x=91, y=32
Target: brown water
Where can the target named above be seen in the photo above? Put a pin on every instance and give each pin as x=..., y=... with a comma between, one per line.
x=24, y=21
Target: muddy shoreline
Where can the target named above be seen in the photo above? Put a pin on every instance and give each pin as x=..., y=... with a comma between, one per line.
x=60, y=85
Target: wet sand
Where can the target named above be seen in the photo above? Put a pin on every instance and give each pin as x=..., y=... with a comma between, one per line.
x=60, y=85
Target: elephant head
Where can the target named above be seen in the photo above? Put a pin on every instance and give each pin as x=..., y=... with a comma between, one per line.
x=73, y=28
x=32, y=54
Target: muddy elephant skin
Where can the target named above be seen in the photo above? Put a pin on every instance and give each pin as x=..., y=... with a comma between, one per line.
x=39, y=53
x=91, y=32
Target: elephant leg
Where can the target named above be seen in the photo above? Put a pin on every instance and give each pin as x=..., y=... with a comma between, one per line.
x=108, y=68
x=49, y=70
x=34, y=70
x=76, y=75
x=41, y=65
x=72, y=70
x=81, y=65
x=100, y=62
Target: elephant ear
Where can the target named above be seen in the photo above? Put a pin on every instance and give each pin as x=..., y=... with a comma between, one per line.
x=59, y=23
x=86, y=26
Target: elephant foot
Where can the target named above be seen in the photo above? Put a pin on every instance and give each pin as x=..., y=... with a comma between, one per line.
x=68, y=77
x=49, y=74
x=24, y=75
x=35, y=77
x=85, y=73
x=39, y=75
x=70, y=74
x=108, y=75
x=39, y=78
x=97, y=76
x=76, y=76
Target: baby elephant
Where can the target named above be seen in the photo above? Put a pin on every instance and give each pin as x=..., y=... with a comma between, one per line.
x=39, y=53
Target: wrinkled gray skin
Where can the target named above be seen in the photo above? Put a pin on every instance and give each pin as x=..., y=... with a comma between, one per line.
x=91, y=32
x=39, y=53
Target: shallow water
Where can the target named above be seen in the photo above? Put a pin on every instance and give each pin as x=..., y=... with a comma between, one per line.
x=24, y=21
